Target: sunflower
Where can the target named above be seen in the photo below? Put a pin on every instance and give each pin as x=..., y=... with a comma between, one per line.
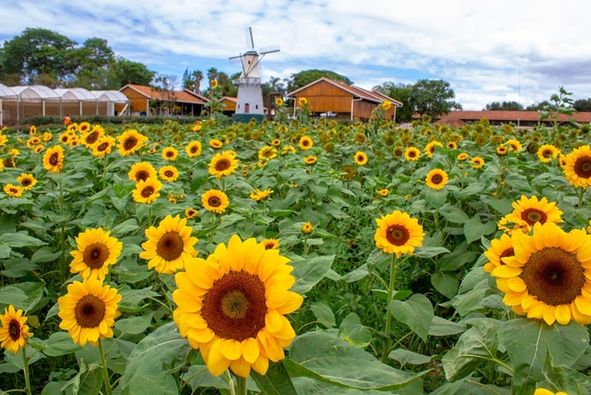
x=190, y=212
x=193, y=149
x=13, y=191
x=310, y=160
x=90, y=138
x=386, y=105
x=436, y=179
x=147, y=191
x=103, y=146
x=562, y=160
x=548, y=275
x=288, y=149
x=577, y=169
x=463, y=156
x=307, y=227
x=38, y=149
x=141, y=171
x=275, y=142
x=231, y=307
x=47, y=136
x=197, y=126
x=130, y=142
x=499, y=249
x=547, y=152
x=306, y=143
x=412, y=154
x=398, y=233
x=170, y=154
x=271, y=244
x=515, y=145
x=529, y=211
x=257, y=195
x=96, y=251
x=215, y=143
x=383, y=192
x=544, y=391
x=502, y=150
x=14, y=152
x=302, y=101
x=279, y=102
x=430, y=148
x=27, y=181
x=53, y=159
x=223, y=164
x=452, y=145
x=168, y=173
x=267, y=153
x=3, y=139
x=170, y=246
x=88, y=311
x=84, y=127
x=360, y=158
x=477, y=162
x=64, y=138
x=14, y=330
x=215, y=201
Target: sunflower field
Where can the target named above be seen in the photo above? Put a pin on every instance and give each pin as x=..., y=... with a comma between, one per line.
x=310, y=257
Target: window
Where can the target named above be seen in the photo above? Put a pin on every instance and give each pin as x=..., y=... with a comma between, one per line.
x=257, y=106
x=246, y=108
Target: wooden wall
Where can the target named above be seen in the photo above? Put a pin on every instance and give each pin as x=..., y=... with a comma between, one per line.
x=325, y=97
x=137, y=102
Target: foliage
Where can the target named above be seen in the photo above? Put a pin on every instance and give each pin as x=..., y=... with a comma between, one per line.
x=306, y=77
x=504, y=106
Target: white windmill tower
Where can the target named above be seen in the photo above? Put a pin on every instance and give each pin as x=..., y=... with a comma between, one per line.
x=250, y=95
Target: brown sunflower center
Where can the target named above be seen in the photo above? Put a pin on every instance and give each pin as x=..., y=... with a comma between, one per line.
x=397, y=235
x=129, y=143
x=170, y=246
x=14, y=330
x=222, y=164
x=95, y=255
x=214, y=201
x=92, y=137
x=508, y=252
x=437, y=179
x=26, y=182
x=412, y=154
x=14, y=190
x=360, y=158
x=90, y=311
x=102, y=147
x=193, y=149
x=554, y=276
x=148, y=191
x=269, y=245
x=235, y=307
x=583, y=167
x=169, y=154
x=168, y=173
x=533, y=215
x=54, y=159
x=305, y=143
x=141, y=175
x=547, y=153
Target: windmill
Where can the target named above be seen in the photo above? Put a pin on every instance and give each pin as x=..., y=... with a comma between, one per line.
x=250, y=95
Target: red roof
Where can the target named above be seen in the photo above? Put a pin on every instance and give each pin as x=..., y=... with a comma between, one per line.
x=509, y=116
x=183, y=96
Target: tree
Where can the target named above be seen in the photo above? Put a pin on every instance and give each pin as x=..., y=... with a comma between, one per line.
x=38, y=54
x=433, y=97
x=166, y=85
x=125, y=71
x=192, y=80
x=305, y=77
x=582, y=105
x=94, y=60
x=402, y=93
x=504, y=106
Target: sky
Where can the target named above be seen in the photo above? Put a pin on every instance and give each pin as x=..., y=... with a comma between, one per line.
x=501, y=50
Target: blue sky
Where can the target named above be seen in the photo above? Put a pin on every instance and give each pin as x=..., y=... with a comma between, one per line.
x=502, y=50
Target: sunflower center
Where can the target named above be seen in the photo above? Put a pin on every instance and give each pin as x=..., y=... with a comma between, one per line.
x=214, y=201
x=235, y=307
x=554, y=276
x=95, y=255
x=508, y=252
x=13, y=190
x=305, y=143
x=437, y=179
x=170, y=246
x=26, y=182
x=532, y=215
x=54, y=159
x=412, y=154
x=90, y=311
x=222, y=164
x=547, y=154
x=168, y=173
x=141, y=175
x=92, y=137
x=193, y=149
x=169, y=154
x=14, y=330
x=397, y=235
x=583, y=167
x=102, y=147
x=129, y=143
x=148, y=191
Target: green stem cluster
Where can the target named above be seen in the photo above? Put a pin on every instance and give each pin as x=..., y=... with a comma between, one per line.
x=107, y=381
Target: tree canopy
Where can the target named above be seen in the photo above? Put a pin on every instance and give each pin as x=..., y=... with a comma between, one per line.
x=306, y=77
x=504, y=106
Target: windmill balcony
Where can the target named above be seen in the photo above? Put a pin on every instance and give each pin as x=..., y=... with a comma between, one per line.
x=248, y=81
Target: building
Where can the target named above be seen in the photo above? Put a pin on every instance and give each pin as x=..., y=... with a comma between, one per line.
x=518, y=118
x=329, y=97
x=145, y=100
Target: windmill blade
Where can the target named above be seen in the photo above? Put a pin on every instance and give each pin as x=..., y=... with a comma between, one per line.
x=269, y=49
x=249, y=38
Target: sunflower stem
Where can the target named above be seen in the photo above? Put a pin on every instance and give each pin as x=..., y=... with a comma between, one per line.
x=105, y=370
x=581, y=193
x=26, y=371
x=240, y=385
x=105, y=172
x=390, y=291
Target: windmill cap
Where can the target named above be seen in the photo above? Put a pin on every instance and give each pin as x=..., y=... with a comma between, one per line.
x=250, y=53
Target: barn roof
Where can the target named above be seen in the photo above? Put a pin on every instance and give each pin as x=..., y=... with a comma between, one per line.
x=183, y=96
x=75, y=94
x=35, y=92
x=6, y=92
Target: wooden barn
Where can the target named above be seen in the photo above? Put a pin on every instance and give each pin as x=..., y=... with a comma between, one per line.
x=145, y=100
x=327, y=97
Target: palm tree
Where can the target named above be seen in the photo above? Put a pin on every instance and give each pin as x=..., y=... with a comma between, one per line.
x=197, y=78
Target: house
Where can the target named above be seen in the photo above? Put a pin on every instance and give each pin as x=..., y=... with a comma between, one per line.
x=326, y=96
x=519, y=118
x=145, y=100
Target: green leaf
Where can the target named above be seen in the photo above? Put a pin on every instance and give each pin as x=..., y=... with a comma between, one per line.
x=323, y=314
x=430, y=252
x=406, y=357
x=357, y=274
x=275, y=382
x=353, y=332
x=470, y=386
x=16, y=240
x=447, y=284
x=325, y=357
x=416, y=313
x=125, y=227
x=453, y=214
x=4, y=251
x=23, y=295
x=134, y=325
x=442, y=327
x=474, y=229
x=58, y=344
x=146, y=372
x=45, y=254
x=470, y=190
x=310, y=271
